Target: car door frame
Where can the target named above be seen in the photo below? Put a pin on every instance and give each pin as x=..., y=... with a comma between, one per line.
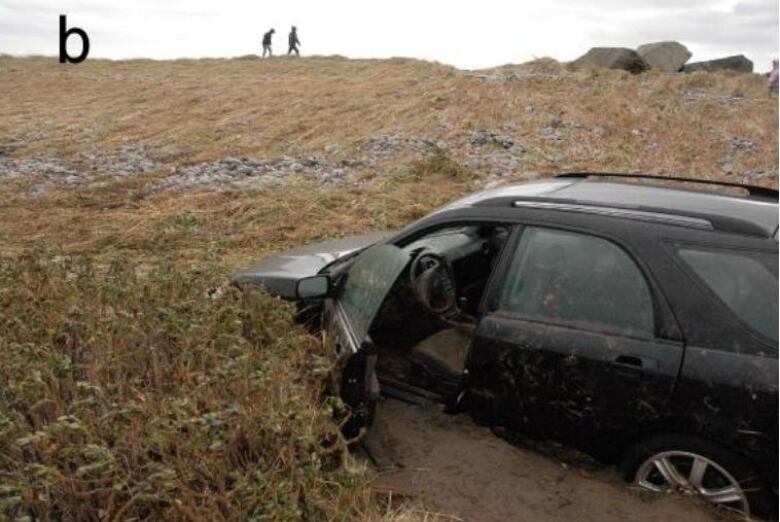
x=666, y=329
x=666, y=325
x=453, y=217
x=356, y=365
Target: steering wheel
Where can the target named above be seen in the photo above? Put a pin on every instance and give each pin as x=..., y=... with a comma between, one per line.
x=432, y=280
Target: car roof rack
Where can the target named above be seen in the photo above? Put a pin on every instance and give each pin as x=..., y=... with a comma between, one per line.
x=651, y=215
x=753, y=190
x=700, y=220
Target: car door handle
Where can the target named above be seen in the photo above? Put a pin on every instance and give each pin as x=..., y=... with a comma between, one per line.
x=635, y=362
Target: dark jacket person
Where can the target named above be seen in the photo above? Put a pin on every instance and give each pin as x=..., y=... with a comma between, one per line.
x=267, y=43
x=294, y=42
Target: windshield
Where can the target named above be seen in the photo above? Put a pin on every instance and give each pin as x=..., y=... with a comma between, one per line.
x=368, y=282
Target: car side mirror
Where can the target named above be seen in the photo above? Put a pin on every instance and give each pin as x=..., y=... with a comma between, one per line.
x=315, y=287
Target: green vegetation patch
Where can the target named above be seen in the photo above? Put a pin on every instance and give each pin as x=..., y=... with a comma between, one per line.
x=163, y=396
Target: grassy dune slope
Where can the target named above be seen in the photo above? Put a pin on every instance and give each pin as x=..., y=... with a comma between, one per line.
x=192, y=110
x=133, y=383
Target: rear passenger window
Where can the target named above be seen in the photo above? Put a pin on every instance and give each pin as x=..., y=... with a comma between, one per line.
x=746, y=282
x=577, y=277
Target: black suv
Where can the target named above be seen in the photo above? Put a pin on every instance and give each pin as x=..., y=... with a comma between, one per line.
x=632, y=320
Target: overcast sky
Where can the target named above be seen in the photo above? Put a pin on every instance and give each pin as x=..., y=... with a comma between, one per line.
x=473, y=34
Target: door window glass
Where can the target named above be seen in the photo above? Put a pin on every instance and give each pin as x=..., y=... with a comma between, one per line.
x=746, y=282
x=576, y=277
x=368, y=281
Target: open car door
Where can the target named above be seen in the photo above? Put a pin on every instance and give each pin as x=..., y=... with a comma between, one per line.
x=347, y=319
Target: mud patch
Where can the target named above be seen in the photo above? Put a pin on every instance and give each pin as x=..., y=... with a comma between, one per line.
x=460, y=469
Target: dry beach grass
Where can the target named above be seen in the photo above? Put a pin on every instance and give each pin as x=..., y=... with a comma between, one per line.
x=186, y=112
x=135, y=383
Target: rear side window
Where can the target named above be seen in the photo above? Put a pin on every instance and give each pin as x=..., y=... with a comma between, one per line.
x=746, y=282
x=575, y=277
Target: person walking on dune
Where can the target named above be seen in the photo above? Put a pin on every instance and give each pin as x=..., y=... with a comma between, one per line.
x=267, y=43
x=294, y=42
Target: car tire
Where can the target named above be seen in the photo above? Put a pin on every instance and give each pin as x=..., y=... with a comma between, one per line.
x=643, y=463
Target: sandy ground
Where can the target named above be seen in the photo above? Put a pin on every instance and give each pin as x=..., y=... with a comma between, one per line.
x=465, y=471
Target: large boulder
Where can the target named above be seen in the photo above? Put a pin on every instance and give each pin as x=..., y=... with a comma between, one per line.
x=731, y=63
x=664, y=56
x=612, y=58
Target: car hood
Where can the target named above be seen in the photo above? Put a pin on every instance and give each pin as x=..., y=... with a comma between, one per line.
x=279, y=274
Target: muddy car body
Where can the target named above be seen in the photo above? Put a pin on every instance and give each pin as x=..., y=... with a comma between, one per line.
x=634, y=321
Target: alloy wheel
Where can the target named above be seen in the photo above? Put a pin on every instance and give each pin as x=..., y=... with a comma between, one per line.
x=691, y=474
